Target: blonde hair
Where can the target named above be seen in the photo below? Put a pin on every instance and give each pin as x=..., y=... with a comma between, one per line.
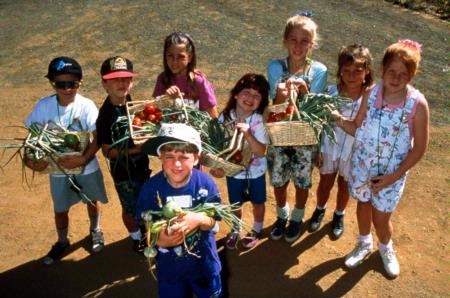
x=305, y=23
x=407, y=51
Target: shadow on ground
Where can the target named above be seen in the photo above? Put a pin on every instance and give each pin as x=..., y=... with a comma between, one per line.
x=88, y=277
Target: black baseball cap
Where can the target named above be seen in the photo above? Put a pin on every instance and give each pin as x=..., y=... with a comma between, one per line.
x=64, y=65
x=117, y=67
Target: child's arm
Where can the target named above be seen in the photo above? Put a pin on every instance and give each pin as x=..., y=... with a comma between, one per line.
x=114, y=153
x=348, y=125
x=194, y=220
x=190, y=221
x=73, y=161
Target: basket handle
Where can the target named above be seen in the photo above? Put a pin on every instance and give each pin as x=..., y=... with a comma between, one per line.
x=186, y=115
x=292, y=101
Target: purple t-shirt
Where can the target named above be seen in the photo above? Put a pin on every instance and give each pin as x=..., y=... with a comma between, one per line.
x=205, y=96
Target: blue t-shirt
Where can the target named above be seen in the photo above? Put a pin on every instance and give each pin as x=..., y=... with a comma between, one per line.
x=315, y=76
x=175, y=264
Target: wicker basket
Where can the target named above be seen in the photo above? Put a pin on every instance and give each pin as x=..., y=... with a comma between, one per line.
x=53, y=168
x=141, y=134
x=288, y=133
x=219, y=162
x=211, y=161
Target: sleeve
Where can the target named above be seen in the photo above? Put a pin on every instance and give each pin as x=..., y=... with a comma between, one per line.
x=207, y=183
x=260, y=132
x=91, y=114
x=274, y=72
x=33, y=117
x=206, y=93
x=40, y=114
x=319, y=78
x=143, y=202
x=159, y=87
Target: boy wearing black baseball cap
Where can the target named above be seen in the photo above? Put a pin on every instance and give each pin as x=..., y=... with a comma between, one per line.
x=129, y=167
x=73, y=112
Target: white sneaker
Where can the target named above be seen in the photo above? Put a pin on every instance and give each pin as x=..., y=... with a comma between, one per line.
x=358, y=254
x=98, y=241
x=390, y=262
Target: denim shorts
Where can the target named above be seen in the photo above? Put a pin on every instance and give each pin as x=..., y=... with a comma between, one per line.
x=242, y=190
x=291, y=163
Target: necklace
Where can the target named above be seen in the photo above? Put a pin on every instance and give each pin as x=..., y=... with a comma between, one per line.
x=59, y=114
x=379, y=150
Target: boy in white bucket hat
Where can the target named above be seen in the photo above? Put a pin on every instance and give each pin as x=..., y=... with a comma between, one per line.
x=178, y=146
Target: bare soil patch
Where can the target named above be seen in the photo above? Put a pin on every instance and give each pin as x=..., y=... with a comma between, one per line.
x=232, y=37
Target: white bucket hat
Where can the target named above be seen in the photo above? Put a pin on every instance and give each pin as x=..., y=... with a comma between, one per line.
x=172, y=133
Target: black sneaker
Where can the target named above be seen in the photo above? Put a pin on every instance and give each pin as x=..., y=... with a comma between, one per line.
x=278, y=229
x=316, y=219
x=55, y=253
x=292, y=231
x=337, y=225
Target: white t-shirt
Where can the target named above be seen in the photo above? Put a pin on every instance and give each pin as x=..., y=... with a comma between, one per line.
x=80, y=115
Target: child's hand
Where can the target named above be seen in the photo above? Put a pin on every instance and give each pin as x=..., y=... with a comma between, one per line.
x=171, y=236
x=218, y=173
x=282, y=93
x=174, y=92
x=298, y=85
x=243, y=127
x=195, y=220
x=377, y=183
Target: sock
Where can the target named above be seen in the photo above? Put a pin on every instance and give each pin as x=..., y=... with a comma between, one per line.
x=338, y=212
x=385, y=247
x=137, y=235
x=94, y=223
x=62, y=234
x=297, y=214
x=283, y=213
x=257, y=226
x=366, y=239
x=321, y=207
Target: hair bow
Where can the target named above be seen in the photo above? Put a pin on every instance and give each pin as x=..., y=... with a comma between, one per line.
x=411, y=43
x=305, y=13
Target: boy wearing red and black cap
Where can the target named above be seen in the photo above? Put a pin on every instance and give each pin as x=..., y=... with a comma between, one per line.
x=129, y=167
x=73, y=112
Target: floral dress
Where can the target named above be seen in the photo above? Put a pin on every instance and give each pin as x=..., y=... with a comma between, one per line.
x=381, y=144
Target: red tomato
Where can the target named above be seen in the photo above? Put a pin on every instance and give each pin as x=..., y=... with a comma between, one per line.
x=149, y=109
x=174, y=117
x=237, y=157
x=158, y=115
x=137, y=121
x=290, y=109
x=140, y=115
x=151, y=118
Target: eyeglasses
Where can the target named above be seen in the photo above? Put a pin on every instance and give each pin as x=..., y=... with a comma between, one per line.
x=63, y=85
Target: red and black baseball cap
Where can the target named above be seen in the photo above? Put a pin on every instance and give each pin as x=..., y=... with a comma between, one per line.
x=117, y=67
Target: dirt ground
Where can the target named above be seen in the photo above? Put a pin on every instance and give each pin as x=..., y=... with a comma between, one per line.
x=232, y=37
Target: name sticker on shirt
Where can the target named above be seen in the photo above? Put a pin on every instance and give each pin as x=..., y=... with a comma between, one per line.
x=184, y=201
